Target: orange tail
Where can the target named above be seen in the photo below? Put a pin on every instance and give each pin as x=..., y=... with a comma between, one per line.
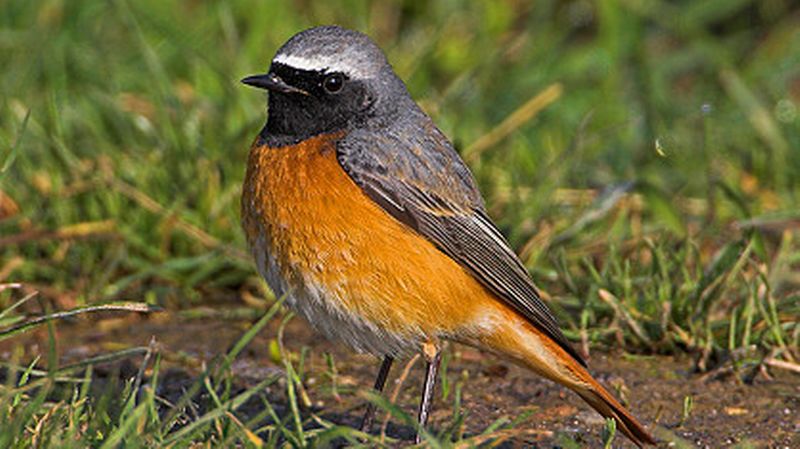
x=518, y=340
x=602, y=401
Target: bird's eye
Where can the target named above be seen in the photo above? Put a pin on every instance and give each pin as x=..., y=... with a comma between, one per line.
x=333, y=83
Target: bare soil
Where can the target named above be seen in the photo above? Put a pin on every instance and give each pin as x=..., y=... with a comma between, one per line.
x=725, y=412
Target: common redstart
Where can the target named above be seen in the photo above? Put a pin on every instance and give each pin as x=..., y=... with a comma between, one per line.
x=359, y=210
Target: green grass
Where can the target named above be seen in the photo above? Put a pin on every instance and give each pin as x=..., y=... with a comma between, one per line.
x=653, y=195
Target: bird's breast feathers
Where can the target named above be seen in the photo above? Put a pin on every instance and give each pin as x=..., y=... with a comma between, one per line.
x=347, y=266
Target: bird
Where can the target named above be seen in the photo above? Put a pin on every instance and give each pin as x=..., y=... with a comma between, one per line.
x=358, y=211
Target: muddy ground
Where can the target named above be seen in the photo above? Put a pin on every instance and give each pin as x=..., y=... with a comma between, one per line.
x=725, y=412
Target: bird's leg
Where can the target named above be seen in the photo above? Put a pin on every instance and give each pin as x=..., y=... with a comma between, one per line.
x=380, y=381
x=433, y=356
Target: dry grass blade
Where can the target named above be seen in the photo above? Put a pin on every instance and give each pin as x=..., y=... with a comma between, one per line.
x=781, y=364
x=189, y=229
x=13, y=285
x=75, y=231
x=519, y=117
x=113, y=307
x=619, y=310
x=770, y=223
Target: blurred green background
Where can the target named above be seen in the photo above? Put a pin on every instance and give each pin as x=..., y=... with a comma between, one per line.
x=655, y=183
x=642, y=156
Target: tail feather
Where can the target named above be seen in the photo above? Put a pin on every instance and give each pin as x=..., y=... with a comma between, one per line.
x=602, y=401
x=524, y=344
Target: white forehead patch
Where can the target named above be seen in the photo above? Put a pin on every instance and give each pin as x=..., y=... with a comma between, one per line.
x=321, y=63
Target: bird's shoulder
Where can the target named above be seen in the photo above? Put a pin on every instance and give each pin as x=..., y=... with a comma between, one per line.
x=412, y=156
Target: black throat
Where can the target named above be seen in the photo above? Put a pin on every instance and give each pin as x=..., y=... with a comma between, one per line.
x=294, y=117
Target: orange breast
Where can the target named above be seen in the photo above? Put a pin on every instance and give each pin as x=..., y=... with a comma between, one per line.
x=337, y=252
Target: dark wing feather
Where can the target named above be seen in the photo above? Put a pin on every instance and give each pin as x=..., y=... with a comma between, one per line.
x=434, y=194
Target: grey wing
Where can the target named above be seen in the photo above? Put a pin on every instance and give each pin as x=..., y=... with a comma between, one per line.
x=434, y=194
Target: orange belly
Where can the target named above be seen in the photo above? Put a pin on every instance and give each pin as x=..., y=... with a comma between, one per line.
x=345, y=264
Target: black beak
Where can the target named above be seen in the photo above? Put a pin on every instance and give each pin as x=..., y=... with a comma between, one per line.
x=271, y=82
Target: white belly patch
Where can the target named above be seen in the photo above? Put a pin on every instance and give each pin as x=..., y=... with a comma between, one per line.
x=321, y=308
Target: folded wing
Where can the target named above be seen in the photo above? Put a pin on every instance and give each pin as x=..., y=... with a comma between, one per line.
x=433, y=192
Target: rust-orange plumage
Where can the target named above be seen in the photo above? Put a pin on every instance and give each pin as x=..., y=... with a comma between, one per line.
x=357, y=209
x=325, y=231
